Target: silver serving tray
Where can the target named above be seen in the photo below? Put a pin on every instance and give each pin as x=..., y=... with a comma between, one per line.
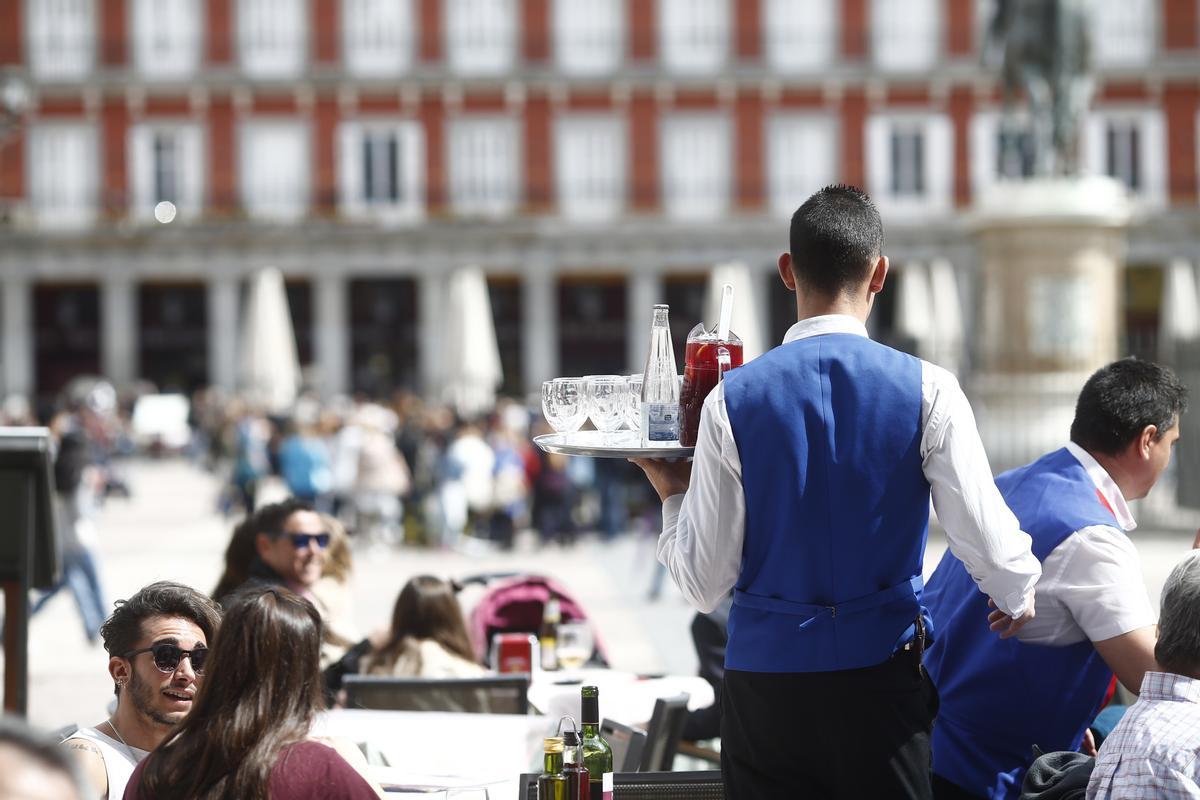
x=622, y=444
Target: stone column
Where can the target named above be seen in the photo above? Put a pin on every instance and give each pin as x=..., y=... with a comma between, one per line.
x=119, y=330
x=431, y=305
x=331, y=335
x=642, y=291
x=539, y=327
x=16, y=337
x=223, y=331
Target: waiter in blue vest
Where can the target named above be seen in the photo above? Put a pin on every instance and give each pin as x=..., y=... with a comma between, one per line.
x=1000, y=698
x=809, y=497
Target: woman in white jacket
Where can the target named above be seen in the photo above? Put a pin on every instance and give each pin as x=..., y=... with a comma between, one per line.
x=428, y=638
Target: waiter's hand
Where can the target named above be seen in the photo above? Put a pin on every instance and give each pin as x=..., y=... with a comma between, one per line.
x=667, y=477
x=1003, y=624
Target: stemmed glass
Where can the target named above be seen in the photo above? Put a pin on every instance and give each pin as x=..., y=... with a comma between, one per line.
x=563, y=404
x=574, y=643
x=633, y=402
x=605, y=402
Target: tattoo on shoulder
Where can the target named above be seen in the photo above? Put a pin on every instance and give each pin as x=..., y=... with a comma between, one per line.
x=80, y=744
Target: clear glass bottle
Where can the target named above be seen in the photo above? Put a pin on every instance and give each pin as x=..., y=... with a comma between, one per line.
x=597, y=755
x=573, y=766
x=552, y=783
x=548, y=633
x=660, y=386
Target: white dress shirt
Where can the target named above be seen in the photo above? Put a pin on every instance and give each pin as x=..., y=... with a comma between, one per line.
x=703, y=529
x=1091, y=587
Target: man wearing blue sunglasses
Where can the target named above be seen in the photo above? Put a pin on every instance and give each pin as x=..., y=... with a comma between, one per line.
x=291, y=545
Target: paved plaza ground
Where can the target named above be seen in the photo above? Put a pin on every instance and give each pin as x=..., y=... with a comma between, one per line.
x=169, y=529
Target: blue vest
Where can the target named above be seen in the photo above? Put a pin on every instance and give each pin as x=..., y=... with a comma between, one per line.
x=828, y=430
x=999, y=697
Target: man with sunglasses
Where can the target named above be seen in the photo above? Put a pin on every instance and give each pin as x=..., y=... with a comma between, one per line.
x=157, y=642
x=291, y=547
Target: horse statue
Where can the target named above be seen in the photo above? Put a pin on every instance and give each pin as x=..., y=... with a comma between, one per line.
x=1046, y=54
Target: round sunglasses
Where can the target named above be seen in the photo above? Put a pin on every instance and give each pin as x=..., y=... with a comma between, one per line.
x=167, y=657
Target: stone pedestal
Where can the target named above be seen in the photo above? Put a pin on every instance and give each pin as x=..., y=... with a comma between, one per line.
x=1051, y=254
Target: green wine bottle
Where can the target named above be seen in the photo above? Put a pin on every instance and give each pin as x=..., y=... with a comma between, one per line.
x=597, y=755
x=552, y=784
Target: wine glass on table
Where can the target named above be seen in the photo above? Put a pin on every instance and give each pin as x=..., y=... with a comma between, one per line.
x=574, y=644
x=563, y=404
x=606, y=402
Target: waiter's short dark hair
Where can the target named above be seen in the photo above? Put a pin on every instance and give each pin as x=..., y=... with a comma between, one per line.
x=836, y=238
x=1121, y=399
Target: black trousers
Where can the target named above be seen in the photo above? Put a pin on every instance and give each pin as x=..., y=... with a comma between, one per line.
x=848, y=734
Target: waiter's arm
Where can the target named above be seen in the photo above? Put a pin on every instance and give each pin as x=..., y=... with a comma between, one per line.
x=980, y=529
x=704, y=510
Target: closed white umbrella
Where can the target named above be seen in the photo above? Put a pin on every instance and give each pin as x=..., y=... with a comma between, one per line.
x=470, y=370
x=914, y=307
x=947, y=315
x=747, y=321
x=1180, y=319
x=268, y=366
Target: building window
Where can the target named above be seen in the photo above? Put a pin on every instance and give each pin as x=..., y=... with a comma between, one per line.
x=590, y=167
x=1124, y=32
x=801, y=158
x=63, y=174
x=484, y=166
x=377, y=36
x=1000, y=150
x=167, y=166
x=906, y=34
x=62, y=37
x=1129, y=146
x=589, y=35
x=694, y=34
x=696, y=158
x=166, y=37
x=481, y=35
x=271, y=36
x=382, y=170
x=800, y=33
x=910, y=158
x=274, y=170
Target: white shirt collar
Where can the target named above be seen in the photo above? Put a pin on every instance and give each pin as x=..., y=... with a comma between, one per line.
x=1106, y=485
x=826, y=323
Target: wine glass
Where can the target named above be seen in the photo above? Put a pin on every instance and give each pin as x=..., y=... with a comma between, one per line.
x=563, y=404
x=574, y=644
x=605, y=401
x=633, y=402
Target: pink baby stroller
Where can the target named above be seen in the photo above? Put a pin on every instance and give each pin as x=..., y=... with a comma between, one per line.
x=513, y=604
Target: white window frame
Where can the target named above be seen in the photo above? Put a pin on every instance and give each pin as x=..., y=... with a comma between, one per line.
x=691, y=203
x=800, y=35
x=50, y=176
x=589, y=35
x=938, y=157
x=498, y=173
x=1135, y=25
x=784, y=191
x=192, y=166
x=58, y=50
x=891, y=49
x=984, y=143
x=685, y=44
x=290, y=203
x=572, y=154
x=286, y=21
x=378, y=36
x=1152, y=149
x=175, y=55
x=481, y=35
x=410, y=167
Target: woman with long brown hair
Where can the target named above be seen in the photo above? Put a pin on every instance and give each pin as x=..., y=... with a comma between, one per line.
x=247, y=736
x=428, y=638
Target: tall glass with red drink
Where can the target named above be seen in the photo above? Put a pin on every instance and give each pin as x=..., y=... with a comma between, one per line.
x=703, y=365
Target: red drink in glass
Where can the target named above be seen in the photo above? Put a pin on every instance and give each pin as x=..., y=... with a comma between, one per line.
x=701, y=372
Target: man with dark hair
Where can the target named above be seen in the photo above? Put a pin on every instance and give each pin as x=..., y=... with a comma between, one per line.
x=290, y=548
x=809, y=498
x=1000, y=698
x=33, y=767
x=157, y=641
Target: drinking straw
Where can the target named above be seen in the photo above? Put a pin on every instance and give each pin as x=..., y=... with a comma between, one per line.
x=726, y=312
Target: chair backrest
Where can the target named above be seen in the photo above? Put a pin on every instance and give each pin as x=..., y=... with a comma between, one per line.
x=702, y=785
x=494, y=694
x=663, y=733
x=627, y=745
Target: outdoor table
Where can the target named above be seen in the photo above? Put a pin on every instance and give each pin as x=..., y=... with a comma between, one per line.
x=626, y=697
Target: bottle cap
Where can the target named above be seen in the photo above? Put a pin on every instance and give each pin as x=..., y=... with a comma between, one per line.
x=553, y=744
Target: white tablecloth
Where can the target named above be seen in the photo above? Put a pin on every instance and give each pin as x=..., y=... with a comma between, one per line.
x=624, y=696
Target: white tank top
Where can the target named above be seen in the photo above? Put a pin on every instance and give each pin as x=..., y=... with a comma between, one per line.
x=119, y=760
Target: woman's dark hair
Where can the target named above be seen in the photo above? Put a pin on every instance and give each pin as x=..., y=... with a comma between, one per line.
x=835, y=239
x=123, y=629
x=241, y=550
x=260, y=694
x=1120, y=400
x=427, y=608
